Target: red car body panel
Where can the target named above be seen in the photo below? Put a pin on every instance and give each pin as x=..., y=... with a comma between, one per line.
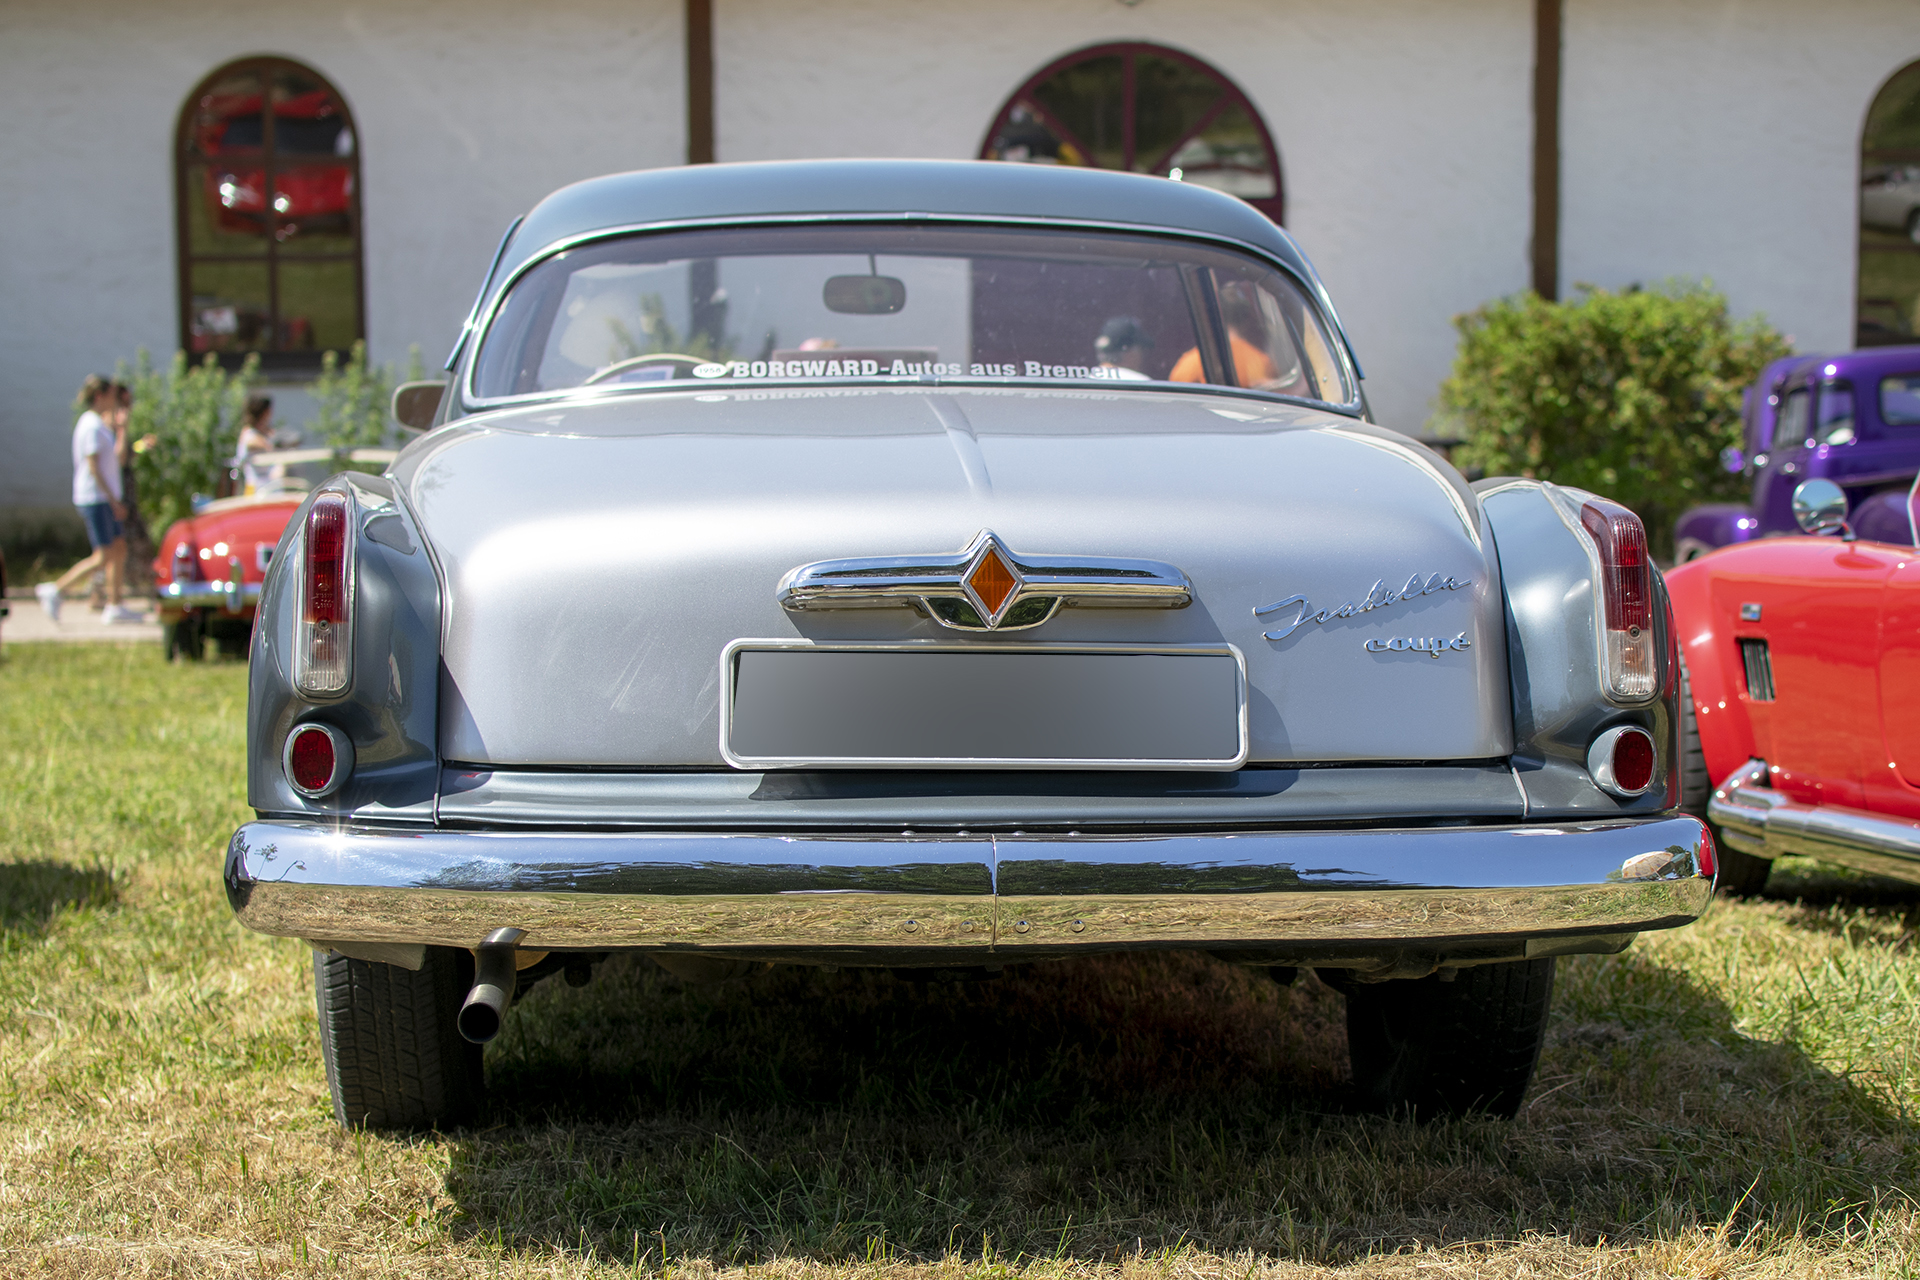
x=248, y=528
x=1841, y=622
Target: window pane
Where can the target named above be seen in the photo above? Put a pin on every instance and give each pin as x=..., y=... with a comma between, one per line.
x=1900, y=400
x=1835, y=418
x=223, y=204
x=314, y=207
x=1170, y=97
x=1794, y=420
x=226, y=119
x=229, y=309
x=1086, y=98
x=1228, y=155
x=1890, y=214
x=319, y=306
x=864, y=302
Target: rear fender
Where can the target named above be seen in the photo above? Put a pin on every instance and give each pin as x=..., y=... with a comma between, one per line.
x=1713, y=670
x=390, y=709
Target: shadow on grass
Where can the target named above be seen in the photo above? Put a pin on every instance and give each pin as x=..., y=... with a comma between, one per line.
x=1093, y=1108
x=31, y=893
x=1840, y=900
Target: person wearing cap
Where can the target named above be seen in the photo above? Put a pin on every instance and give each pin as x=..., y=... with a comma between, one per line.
x=1122, y=350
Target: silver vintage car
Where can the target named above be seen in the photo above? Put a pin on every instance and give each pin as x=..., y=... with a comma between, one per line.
x=940, y=565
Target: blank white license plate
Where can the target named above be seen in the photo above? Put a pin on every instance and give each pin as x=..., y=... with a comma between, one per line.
x=792, y=706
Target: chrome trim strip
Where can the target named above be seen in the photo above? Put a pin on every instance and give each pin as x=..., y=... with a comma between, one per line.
x=738, y=761
x=473, y=312
x=1364, y=893
x=916, y=580
x=1313, y=287
x=1756, y=819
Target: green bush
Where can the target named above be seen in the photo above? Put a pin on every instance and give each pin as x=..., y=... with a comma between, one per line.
x=353, y=401
x=1632, y=395
x=194, y=413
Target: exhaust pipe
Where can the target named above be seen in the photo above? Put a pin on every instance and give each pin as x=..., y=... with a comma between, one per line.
x=494, y=979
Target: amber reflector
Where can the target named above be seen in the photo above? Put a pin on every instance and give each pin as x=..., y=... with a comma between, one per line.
x=992, y=581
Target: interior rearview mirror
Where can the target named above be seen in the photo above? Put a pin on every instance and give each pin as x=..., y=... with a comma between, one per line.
x=1820, y=506
x=416, y=403
x=864, y=295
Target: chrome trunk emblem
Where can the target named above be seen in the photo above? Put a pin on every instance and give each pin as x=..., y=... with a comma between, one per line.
x=985, y=587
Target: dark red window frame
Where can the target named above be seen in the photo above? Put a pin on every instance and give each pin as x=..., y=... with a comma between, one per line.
x=1273, y=206
x=273, y=359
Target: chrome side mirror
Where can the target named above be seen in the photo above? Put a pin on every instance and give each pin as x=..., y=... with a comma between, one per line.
x=415, y=403
x=1819, y=506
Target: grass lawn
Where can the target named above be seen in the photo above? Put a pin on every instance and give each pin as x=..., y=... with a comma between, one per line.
x=1742, y=1097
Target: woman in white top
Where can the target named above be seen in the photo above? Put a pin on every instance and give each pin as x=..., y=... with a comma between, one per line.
x=97, y=495
x=256, y=436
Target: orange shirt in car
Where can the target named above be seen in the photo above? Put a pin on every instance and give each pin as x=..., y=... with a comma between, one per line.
x=1252, y=366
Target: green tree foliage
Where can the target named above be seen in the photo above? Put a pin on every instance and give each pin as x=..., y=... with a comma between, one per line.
x=193, y=413
x=354, y=400
x=1631, y=395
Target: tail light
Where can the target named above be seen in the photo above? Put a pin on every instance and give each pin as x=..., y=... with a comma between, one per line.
x=1626, y=591
x=1623, y=761
x=317, y=760
x=323, y=632
x=185, y=567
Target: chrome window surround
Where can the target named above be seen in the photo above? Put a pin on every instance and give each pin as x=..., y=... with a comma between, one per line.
x=939, y=646
x=474, y=337
x=918, y=581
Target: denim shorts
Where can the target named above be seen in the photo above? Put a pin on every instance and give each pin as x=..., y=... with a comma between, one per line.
x=103, y=528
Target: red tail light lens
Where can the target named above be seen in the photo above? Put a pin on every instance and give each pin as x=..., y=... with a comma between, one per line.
x=1623, y=760
x=1626, y=597
x=317, y=759
x=323, y=640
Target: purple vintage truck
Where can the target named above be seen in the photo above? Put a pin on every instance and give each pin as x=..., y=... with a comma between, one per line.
x=1853, y=419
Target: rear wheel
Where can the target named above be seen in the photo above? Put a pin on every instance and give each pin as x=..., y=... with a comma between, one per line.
x=1448, y=1048
x=395, y=1059
x=1741, y=874
x=184, y=639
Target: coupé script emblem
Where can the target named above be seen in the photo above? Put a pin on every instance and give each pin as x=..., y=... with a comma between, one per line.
x=985, y=587
x=1432, y=646
x=1379, y=596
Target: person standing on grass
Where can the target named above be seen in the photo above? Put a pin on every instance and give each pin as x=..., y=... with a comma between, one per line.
x=97, y=496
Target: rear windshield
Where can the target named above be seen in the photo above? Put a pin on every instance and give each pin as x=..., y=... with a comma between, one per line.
x=857, y=301
x=1900, y=399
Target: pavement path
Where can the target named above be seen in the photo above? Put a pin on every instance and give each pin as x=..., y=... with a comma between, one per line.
x=77, y=622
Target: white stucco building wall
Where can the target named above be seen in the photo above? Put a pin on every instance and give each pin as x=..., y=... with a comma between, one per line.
x=468, y=112
x=1722, y=140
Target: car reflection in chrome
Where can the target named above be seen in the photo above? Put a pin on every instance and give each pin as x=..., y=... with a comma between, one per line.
x=1378, y=596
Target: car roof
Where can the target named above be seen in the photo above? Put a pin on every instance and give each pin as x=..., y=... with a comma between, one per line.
x=1869, y=362
x=984, y=188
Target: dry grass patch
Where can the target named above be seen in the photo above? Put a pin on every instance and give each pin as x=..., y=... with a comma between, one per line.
x=1735, y=1099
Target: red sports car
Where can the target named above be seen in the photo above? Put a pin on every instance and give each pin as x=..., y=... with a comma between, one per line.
x=1801, y=732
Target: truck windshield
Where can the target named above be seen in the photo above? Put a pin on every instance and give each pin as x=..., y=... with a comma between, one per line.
x=866, y=302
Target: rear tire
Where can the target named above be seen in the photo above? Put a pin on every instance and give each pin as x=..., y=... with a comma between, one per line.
x=184, y=639
x=1450, y=1048
x=1740, y=875
x=395, y=1059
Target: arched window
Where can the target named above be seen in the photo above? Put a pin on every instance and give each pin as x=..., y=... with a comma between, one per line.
x=267, y=201
x=1146, y=108
x=1889, y=280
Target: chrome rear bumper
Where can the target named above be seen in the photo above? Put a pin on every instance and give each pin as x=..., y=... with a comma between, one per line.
x=1754, y=818
x=1382, y=899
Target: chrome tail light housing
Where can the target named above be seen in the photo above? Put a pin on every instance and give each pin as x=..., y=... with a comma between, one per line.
x=323, y=627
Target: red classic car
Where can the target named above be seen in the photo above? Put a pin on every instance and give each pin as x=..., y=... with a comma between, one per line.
x=208, y=568
x=1800, y=732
